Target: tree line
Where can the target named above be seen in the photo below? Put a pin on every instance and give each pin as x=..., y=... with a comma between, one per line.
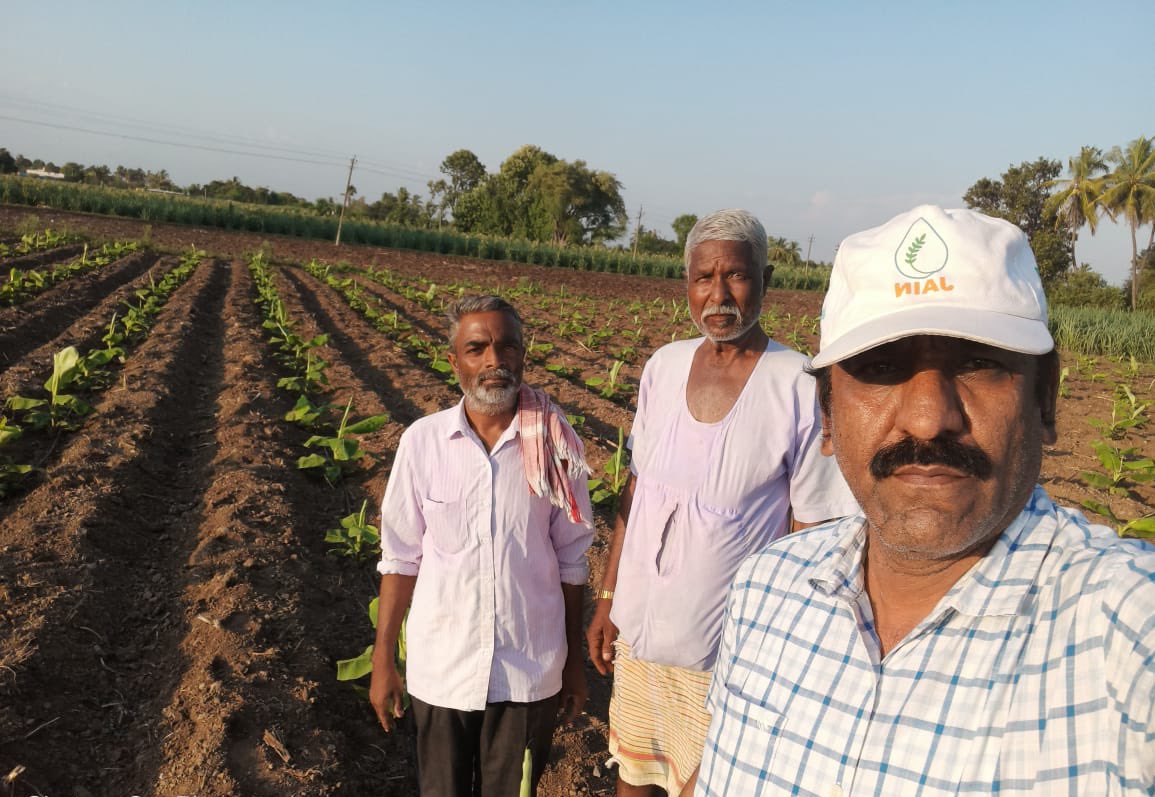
x=1118, y=185
x=536, y=196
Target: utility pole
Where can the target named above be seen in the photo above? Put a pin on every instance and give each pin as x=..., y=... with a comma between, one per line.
x=345, y=201
x=809, y=244
x=637, y=235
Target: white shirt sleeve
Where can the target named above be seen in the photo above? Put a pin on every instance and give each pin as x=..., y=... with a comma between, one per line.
x=817, y=490
x=402, y=524
x=637, y=440
x=572, y=540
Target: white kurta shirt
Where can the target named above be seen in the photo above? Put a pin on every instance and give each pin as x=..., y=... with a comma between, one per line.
x=709, y=495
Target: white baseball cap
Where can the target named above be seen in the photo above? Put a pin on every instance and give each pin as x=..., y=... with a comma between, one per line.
x=930, y=271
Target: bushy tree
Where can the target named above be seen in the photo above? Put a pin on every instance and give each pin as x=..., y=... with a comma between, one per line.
x=1020, y=196
x=682, y=226
x=537, y=196
x=7, y=162
x=650, y=243
x=1084, y=287
x=465, y=172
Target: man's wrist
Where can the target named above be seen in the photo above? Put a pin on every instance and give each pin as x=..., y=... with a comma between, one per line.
x=605, y=594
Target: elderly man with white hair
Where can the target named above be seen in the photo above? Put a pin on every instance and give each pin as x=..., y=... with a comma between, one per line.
x=726, y=457
x=962, y=634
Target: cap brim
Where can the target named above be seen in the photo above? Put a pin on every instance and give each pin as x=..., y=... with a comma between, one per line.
x=1024, y=335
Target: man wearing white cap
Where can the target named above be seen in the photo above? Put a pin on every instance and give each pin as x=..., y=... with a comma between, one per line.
x=962, y=634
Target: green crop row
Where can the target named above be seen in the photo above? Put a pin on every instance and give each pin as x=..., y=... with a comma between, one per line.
x=22, y=284
x=1091, y=330
x=295, y=222
x=61, y=405
x=36, y=242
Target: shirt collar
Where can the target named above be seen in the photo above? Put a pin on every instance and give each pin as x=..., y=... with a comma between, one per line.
x=1001, y=580
x=838, y=571
x=996, y=585
x=458, y=426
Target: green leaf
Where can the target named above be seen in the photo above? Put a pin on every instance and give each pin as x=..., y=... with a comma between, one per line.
x=311, y=461
x=1099, y=508
x=370, y=424
x=359, y=667
x=20, y=403
x=1140, y=527
x=64, y=368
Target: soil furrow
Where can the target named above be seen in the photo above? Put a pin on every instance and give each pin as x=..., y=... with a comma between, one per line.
x=406, y=386
x=38, y=259
x=43, y=318
x=602, y=417
x=97, y=597
x=348, y=379
x=257, y=711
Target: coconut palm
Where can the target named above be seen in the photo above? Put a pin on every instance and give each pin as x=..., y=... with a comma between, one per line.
x=783, y=251
x=1130, y=191
x=1076, y=201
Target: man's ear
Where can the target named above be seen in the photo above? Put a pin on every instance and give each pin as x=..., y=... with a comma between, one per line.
x=767, y=275
x=1049, y=396
x=452, y=358
x=827, y=440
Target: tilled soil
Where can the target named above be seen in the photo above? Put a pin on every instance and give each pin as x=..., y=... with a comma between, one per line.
x=170, y=618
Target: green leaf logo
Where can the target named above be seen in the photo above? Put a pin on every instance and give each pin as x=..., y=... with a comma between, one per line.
x=912, y=251
x=921, y=252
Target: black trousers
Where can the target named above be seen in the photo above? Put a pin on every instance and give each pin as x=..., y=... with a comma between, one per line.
x=481, y=753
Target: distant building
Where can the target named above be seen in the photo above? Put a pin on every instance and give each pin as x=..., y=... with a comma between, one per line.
x=44, y=174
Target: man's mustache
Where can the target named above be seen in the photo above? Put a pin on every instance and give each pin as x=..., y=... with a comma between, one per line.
x=722, y=309
x=496, y=373
x=968, y=460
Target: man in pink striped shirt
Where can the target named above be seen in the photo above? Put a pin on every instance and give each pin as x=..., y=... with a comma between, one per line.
x=484, y=531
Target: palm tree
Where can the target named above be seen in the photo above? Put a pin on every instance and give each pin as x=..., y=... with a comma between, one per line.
x=1076, y=201
x=1130, y=191
x=783, y=251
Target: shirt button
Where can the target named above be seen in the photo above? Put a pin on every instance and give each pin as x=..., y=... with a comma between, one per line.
x=835, y=790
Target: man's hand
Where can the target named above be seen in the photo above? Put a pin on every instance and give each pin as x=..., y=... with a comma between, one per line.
x=386, y=693
x=574, y=689
x=600, y=637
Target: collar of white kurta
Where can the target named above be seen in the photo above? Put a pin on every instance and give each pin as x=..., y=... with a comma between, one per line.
x=551, y=451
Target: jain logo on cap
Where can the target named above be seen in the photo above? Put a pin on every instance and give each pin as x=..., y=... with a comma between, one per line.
x=920, y=255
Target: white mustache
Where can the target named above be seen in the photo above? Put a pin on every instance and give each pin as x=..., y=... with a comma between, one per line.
x=496, y=373
x=722, y=309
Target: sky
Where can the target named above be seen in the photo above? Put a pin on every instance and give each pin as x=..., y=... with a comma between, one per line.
x=822, y=118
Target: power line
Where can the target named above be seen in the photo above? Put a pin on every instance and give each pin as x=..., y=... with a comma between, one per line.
x=129, y=137
x=385, y=168
x=125, y=121
x=202, y=147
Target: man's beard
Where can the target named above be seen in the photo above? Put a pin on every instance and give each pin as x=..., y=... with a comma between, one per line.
x=492, y=400
x=742, y=325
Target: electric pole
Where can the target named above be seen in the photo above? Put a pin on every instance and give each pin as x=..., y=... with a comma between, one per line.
x=637, y=235
x=345, y=201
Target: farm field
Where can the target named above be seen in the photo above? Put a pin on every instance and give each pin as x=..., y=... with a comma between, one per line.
x=171, y=614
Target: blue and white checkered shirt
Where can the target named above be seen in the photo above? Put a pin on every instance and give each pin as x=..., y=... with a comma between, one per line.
x=1034, y=675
